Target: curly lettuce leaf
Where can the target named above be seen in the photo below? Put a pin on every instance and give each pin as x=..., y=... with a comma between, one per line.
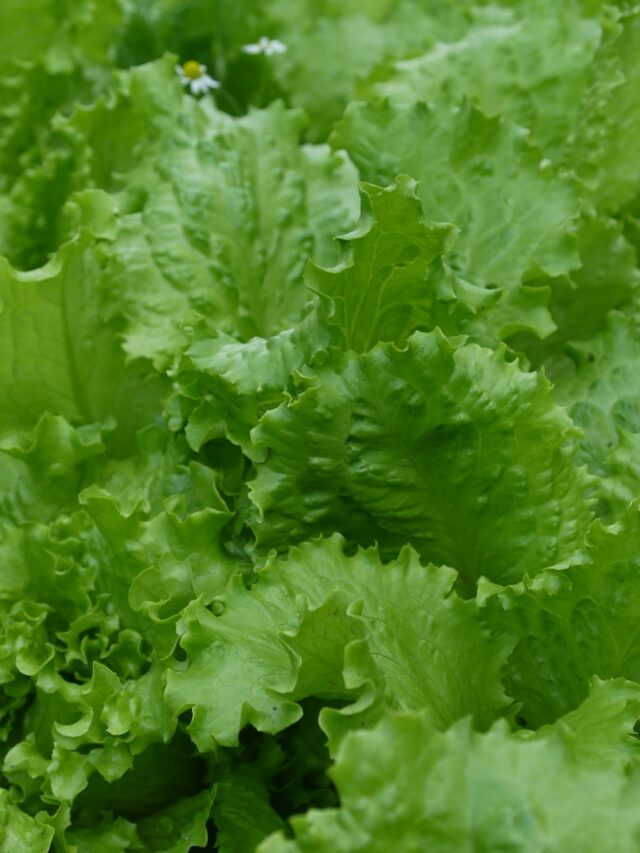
x=570, y=625
x=343, y=628
x=235, y=209
x=515, y=214
x=608, y=278
x=386, y=287
x=20, y=831
x=59, y=352
x=534, y=72
x=604, y=149
x=447, y=446
x=601, y=731
x=597, y=382
x=407, y=786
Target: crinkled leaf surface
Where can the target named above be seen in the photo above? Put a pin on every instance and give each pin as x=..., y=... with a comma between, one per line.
x=572, y=624
x=515, y=215
x=599, y=385
x=309, y=395
x=426, y=444
x=383, y=292
x=405, y=784
x=534, y=72
x=307, y=623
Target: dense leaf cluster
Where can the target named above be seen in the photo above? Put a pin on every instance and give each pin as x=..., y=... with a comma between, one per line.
x=320, y=427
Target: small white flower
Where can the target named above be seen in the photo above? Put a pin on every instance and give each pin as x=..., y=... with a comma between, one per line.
x=265, y=46
x=194, y=75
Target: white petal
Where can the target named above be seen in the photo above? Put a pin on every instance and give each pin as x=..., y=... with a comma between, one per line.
x=210, y=83
x=276, y=46
x=251, y=48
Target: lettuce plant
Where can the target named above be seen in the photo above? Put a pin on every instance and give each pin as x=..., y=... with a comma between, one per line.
x=320, y=426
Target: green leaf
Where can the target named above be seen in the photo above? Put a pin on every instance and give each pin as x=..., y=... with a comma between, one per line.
x=604, y=150
x=335, y=48
x=601, y=730
x=178, y=828
x=243, y=815
x=572, y=624
x=324, y=62
x=110, y=836
x=599, y=386
x=58, y=353
x=531, y=64
x=255, y=210
x=52, y=29
x=318, y=613
x=159, y=776
x=446, y=446
x=608, y=278
x=382, y=290
x=391, y=280
x=20, y=831
x=225, y=385
x=43, y=469
x=516, y=217
x=405, y=786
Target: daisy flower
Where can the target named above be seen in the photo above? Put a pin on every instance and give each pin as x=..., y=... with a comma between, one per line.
x=194, y=75
x=265, y=46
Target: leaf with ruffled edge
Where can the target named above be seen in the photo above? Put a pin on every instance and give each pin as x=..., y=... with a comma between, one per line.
x=601, y=731
x=570, y=625
x=405, y=786
x=598, y=383
x=390, y=281
x=217, y=217
x=530, y=63
x=444, y=445
x=516, y=219
x=342, y=628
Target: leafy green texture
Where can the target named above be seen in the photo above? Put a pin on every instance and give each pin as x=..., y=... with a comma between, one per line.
x=314, y=625
x=331, y=55
x=58, y=33
x=448, y=792
x=319, y=471
x=599, y=385
x=515, y=216
x=58, y=353
x=535, y=76
x=210, y=202
x=21, y=831
x=601, y=730
x=388, y=287
x=579, y=303
x=484, y=156
x=573, y=624
x=610, y=158
x=482, y=460
x=243, y=815
x=240, y=235
x=393, y=278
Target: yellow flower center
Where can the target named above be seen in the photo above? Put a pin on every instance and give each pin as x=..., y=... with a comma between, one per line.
x=192, y=69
